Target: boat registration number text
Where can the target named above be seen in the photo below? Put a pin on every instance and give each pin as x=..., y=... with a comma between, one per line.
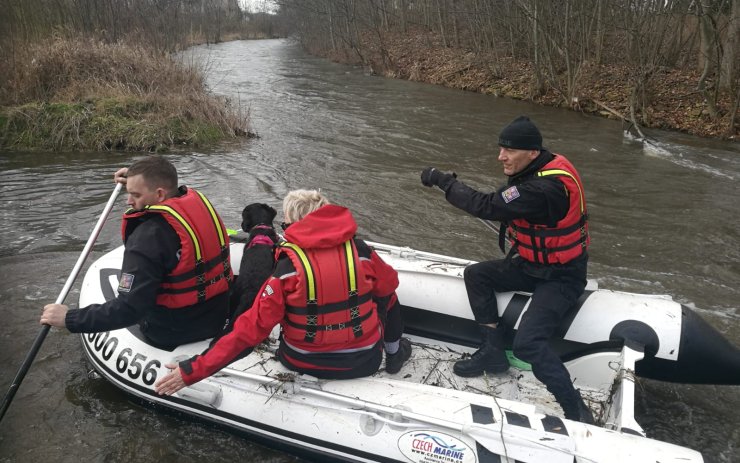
x=134, y=365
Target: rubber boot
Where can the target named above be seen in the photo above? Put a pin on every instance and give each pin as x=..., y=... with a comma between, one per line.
x=490, y=358
x=576, y=409
x=394, y=362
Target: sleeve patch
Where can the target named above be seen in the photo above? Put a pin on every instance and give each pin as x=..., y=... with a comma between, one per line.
x=268, y=291
x=510, y=194
x=127, y=281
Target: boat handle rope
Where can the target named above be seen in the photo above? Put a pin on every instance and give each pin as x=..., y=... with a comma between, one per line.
x=477, y=432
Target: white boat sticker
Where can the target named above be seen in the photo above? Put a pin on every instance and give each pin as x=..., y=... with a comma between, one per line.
x=435, y=447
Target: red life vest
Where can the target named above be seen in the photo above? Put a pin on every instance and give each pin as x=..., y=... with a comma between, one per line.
x=204, y=270
x=322, y=315
x=569, y=238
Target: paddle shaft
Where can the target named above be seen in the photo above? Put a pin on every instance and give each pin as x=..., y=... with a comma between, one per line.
x=62, y=296
x=489, y=224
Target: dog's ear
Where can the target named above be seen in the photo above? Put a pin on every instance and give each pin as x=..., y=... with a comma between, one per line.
x=246, y=225
x=271, y=212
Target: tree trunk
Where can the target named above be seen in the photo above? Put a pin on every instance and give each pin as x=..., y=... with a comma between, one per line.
x=731, y=49
x=441, y=23
x=707, y=55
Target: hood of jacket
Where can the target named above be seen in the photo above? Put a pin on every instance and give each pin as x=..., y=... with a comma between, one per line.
x=326, y=227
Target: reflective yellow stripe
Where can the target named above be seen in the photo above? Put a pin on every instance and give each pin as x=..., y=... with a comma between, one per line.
x=565, y=172
x=351, y=270
x=184, y=223
x=214, y=217
x=307, y=268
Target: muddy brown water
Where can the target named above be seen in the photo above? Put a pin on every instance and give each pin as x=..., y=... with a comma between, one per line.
x=664, y=220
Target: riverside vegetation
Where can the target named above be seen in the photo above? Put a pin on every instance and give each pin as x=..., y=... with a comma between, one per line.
x=672, y=65
x=102, y=74
x=84, y=94
x=97, y=74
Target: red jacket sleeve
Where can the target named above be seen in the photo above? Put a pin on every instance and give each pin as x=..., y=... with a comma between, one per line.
x=250, y=329
x=385, y=277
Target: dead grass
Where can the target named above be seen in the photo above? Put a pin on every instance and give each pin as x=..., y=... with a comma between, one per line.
x=87, y=95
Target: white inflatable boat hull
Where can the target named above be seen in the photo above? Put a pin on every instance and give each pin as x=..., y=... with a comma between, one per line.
x=424, y=413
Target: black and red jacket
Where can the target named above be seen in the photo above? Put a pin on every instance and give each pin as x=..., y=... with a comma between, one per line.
x=553, y=203
x=203, y=270
x=153, y=253
x=568, y=238
x=322, y=294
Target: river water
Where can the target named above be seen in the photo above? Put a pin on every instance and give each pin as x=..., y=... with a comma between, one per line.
x=664, y=220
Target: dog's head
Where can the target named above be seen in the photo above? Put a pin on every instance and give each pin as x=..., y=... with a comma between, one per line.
x=257, y=214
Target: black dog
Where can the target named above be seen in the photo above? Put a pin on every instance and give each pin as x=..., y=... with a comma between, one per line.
x=258, y=257
x=257, y=261
x=255, y=268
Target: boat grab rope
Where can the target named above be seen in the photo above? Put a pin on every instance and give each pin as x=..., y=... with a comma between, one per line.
x=481, y=433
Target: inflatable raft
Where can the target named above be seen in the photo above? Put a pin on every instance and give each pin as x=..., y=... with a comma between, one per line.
x=425, y=413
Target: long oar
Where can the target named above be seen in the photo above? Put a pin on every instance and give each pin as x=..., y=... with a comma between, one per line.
x=489, y=224
x=63, y=295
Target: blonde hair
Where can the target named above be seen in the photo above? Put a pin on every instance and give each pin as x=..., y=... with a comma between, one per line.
x=299, y=203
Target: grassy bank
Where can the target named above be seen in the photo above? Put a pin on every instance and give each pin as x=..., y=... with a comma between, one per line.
x=79, y=94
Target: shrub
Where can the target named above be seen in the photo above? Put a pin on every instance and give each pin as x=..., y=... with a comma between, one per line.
x=88, y=95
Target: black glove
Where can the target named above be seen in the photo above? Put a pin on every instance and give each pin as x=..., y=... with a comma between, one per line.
x=431, y=176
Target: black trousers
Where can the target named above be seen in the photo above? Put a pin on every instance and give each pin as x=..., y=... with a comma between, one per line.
x=389, y=313
x=554, y=291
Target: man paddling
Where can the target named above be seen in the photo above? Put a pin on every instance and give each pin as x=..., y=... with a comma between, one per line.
x=543, y=209
x=175, y=275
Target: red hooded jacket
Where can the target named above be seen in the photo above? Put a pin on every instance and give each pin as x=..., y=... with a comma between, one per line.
x=322, y=236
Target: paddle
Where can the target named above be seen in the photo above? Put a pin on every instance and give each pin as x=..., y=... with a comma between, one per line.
x=63, y=295
x=490, y=225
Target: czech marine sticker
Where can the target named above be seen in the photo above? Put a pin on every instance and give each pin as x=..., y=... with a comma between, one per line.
x=435, y=447
x=510, y=194
x=127, y=281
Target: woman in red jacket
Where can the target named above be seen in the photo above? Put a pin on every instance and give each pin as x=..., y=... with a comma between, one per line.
x=333, y=296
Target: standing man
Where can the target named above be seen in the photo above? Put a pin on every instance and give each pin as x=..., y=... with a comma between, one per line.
x=543, y=209
x=176, y=273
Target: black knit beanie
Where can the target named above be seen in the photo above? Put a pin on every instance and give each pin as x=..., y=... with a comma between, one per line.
x=521, y=134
